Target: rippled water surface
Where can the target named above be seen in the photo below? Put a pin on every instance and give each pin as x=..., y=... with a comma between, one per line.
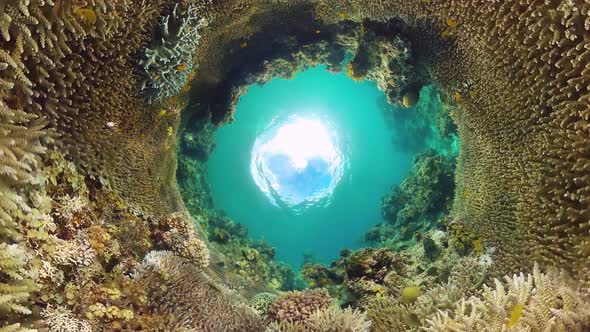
x=306, y=162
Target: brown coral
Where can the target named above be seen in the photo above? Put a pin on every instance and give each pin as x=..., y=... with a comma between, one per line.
x=177, y=231
x=186, y=298
x=298, y=306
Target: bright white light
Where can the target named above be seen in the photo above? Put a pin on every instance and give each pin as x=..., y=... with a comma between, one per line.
x=302, y=140
x=297, y=161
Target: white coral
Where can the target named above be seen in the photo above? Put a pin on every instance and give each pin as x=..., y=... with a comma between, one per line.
x=69, y=206
x=75, y=252
x=549, y=301
x=60, y=319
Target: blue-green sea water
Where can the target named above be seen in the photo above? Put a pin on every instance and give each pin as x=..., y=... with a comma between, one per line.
x=320, y=134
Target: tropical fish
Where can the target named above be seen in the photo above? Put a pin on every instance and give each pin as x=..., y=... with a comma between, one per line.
x=452, y=23
x=87, y=14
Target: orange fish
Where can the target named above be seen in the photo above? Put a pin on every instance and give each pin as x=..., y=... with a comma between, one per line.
x=457, y=97
x=182, y=67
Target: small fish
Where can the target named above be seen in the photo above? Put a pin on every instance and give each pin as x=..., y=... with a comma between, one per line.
x=452, y=23
x=446, y=33
x=182, y=67
x=465, y=193
x=162, y=113
x=110, y=125
x=426, y=1
x=457, y=97
x=244, y=45
x=169, y=131
x=472, y=93
x=515, y=315
x=87, y=14
x=342, y=15
x=317, y=31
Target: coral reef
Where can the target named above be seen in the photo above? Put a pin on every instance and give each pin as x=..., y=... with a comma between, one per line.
x=177, y=232
x=539, y=301
x=199, y=302
x=252, y=262
x=61, y=319
x=168, y=60
x=512, y=74
x=415, y=206
x=329, y=319
x=298, y=306
x=261, y=301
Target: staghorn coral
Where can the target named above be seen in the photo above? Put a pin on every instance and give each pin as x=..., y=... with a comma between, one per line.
x=329, y=319
x=168, y=60
x=60, y=319
x=549, y=301
x=16, y=280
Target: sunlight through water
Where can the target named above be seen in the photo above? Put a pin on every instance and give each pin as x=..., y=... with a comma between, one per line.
x=297, y=162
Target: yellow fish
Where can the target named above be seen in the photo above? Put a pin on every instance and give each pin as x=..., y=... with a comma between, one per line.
x=317, y=31
x=515, y=315
x=244, y=45
x=87, y=14
x=342, y=15
x=162, y=113
x=457, y=97
x=452, y=23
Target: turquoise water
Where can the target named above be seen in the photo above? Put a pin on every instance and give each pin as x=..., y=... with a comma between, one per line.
x=313, y=203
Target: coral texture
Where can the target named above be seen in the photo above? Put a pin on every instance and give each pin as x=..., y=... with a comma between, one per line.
x=515, y=74
x=168, y=60
x=329, y=319
x=298, y=306
x=199, y=303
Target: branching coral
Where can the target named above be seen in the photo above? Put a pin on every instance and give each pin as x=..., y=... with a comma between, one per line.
x=549, y=301
x=15, y=279
x=60, y=319
x=168, y=60
x=329, y=319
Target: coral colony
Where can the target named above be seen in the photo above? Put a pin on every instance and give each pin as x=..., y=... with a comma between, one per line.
x=107, y=116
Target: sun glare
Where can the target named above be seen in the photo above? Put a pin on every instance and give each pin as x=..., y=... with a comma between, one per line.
x=297, y=161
